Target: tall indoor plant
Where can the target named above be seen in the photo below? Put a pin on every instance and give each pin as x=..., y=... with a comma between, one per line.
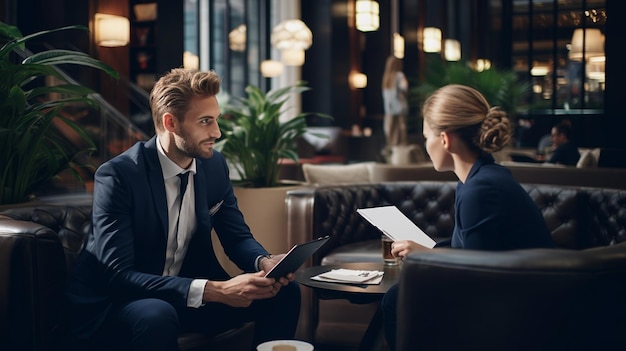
x=32, y=150
x=254, y=139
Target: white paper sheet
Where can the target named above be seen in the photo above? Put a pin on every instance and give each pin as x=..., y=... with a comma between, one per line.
x=350, y=276
x=394, y=224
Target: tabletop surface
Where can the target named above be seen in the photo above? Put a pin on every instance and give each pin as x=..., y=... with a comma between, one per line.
x=341, y=290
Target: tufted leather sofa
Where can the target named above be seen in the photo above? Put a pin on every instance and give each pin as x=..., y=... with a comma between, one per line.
x=38, y=245
x=580, y=219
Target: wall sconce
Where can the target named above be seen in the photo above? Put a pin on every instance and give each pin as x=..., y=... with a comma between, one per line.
x=594, y=44
x=111, y=30
x=367, y=15
x=398, y=46
x=452, y=49
x=237, y=38
x=358, y=80
x=432, y=39
x=271, y=68
x=292, y=37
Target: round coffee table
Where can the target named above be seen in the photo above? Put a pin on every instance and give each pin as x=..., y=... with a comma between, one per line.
x=355, y=293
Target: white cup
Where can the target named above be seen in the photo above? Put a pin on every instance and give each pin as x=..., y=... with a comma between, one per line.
x=285, y=345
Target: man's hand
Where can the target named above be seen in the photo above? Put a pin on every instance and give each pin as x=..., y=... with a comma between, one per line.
x=241, y=290
x=266, y=264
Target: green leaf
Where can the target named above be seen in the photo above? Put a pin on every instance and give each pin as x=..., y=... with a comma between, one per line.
x=34, y=143
x=253, y=137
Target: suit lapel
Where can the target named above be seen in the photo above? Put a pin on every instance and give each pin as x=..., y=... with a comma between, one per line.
x=157, y=184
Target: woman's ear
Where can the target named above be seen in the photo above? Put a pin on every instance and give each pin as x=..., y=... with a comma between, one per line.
x=446, y=140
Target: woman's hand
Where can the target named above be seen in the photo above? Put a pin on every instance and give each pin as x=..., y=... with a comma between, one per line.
x=402, y=248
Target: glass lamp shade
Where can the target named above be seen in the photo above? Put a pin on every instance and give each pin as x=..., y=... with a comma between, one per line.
x=452, y=49
x=293, y=57
x=111, y=30
x=191, y=60
x=237, y=38
x=432, y=39
x=271, y=68
x=291, y=34
x=367, y=15
x=594, y=44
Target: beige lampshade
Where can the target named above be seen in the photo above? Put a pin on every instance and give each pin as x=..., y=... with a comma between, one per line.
x=111, y=30
x=452, y=49
x=271, y=68
x=432, y=39
x=367, y=15
x=594, y=44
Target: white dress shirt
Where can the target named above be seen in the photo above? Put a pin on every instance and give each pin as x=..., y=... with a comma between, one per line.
x=181, y=227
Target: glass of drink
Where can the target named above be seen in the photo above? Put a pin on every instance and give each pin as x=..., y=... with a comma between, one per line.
x=388, y=258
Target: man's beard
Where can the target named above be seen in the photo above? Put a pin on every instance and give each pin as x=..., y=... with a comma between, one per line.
x=193, y=150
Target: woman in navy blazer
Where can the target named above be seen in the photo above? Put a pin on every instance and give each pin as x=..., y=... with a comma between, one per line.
x=492, y=210
x=148, y=269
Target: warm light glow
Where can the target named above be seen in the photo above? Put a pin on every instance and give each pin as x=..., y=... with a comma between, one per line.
x=190, y=60
x=293, y=57
x=237, y=38
x=432, y=39
x=452, y=49
x=596, y=68
x=367, y=15
x=292, y=37
x=271, y=68
x=539, y=70
x=358, y=80
x=291, y=34
x=594, y=44
x=111, y=31
x=482, y=65
x=398, y=46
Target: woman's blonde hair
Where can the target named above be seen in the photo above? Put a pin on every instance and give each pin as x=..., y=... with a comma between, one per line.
x=465, y=111
x=392, y=66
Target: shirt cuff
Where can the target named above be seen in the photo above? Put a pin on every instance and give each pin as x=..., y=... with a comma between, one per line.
x=257, y=262
x=196, y=291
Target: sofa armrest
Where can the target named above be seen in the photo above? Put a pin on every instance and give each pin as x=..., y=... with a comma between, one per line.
x=516, y=300
x=299, y=203
x=32, y=277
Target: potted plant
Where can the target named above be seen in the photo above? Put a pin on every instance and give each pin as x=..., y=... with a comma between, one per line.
x=254, y=139
x=32, y=148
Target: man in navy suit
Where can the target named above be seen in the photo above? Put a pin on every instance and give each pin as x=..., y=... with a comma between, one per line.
x=148, y=270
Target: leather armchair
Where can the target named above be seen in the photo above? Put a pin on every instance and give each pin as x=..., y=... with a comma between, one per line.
x=534, y=299
x=38, y=244
x=579, y=218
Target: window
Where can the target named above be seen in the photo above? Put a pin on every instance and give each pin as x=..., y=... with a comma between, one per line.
x=566, y=76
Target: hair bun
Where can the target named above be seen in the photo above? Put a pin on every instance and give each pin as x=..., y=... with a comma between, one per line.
x=495, y=131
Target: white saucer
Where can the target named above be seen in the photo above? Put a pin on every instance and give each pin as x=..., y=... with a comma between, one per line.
x=300, y=345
